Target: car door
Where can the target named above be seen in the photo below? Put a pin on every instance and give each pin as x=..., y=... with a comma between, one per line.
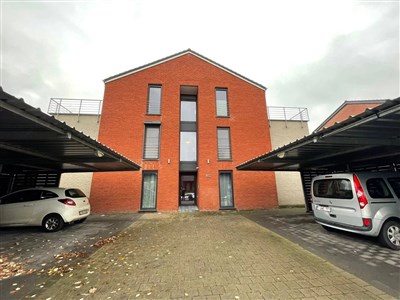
x=17, y=208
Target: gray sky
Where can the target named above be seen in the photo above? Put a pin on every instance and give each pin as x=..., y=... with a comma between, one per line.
x=313, y=54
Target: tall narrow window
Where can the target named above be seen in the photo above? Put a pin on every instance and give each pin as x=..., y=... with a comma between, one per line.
x=151, y=142
x=221, y=96
x=224, y=144
x=188, y=151
x=154, y=100
x=149, y=190
x=226, y=189
x=188, y=111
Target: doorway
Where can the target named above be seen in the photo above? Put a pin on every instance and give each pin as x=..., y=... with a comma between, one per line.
x=187, y=189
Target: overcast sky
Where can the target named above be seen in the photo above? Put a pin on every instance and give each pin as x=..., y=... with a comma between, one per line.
x=313, y=54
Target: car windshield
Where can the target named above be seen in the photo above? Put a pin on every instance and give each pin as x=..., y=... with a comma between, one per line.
x=74, y=193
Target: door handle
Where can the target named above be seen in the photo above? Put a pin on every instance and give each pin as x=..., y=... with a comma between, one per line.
x=28, y=205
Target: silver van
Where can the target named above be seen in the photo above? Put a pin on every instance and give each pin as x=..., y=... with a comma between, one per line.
x=364, y=203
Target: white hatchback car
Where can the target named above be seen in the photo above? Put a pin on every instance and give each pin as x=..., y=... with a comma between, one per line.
x=49, y=207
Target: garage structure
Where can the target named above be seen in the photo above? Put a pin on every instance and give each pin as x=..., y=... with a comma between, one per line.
x=369, y=141
x=35, y=148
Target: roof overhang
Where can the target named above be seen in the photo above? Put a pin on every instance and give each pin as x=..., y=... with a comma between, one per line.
x=32, y=141
x=368, y=141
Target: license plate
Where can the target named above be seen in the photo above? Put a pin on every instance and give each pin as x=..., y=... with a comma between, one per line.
x=82, y=212
x=323, y=208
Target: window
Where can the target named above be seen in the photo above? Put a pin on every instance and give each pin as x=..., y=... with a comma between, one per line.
x=149, y=191
x=154, y=100
x=377, y=188
x=224, y=144
x=225, y=189
x=22, y=196
x=221, y=96
x=48, y=195
x=188, y=111
x=395, y=184
x=74, y=193
x=151, y=142
x=333, y=188
x=188, y=150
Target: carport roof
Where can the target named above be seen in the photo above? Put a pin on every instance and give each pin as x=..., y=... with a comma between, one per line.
x=32, y=141
x=367, y=141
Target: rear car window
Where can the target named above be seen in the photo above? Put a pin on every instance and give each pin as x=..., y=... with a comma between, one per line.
x=74, y=193
x=333, y=188
x=395, y=184
x=377, y=188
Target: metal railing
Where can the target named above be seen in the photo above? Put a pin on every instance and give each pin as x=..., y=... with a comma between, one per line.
x=280, y=113
x=65, y=106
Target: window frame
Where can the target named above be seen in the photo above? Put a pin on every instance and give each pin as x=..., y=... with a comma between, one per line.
x=142, y=191
x=150, y=86
x=230, y=144
x=230, y=172
x=392, y=183
x=382, y=181
x=180, y=147
x=216, y=103
x=149, y=125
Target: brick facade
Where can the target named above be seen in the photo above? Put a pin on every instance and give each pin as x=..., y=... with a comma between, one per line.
x=122, y=128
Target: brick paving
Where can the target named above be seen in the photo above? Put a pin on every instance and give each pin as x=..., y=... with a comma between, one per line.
x=205, y=256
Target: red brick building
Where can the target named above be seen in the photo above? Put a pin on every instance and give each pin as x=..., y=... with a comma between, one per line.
x=347, y=109
x=188, y=122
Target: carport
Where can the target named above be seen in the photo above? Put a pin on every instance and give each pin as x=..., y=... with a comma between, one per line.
x=35, y=148
x=369, y=141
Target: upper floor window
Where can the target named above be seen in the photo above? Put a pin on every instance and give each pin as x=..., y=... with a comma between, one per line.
x=224, y=144
x=154, y=100
x=188, y=149
x=151, y=142
x=188, y=111
x=221, y=96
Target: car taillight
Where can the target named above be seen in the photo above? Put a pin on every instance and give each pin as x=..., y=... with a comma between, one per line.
x=68, y=201
x=362, y=200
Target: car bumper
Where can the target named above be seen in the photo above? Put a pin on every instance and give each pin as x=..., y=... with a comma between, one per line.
x=364, y=230
x=76, y=214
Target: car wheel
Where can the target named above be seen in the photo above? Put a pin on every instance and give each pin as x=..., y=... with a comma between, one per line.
x=390, y=235
x=80, y=221
x=52, y=223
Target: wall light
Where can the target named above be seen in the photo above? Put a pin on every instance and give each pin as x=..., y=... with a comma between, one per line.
x=98, y=153
x=281, y=154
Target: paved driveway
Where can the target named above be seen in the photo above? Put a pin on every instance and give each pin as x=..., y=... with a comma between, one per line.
x=32, y=249
x=359, y=255
x=205, y=256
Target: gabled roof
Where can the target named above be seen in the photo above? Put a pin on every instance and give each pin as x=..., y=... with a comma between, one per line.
x=179, y=54
x=32, y=141
x=350, y=102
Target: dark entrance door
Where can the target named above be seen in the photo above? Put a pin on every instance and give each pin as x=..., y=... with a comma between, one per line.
x=187, y=189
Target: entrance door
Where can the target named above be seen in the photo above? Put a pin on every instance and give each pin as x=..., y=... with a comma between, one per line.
x=187, y=189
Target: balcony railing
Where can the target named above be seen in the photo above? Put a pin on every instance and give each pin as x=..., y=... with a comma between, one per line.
x=65, y=106
x=279, y=113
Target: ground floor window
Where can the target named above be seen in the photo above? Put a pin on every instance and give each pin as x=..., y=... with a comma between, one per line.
x=226, y=189
x=149, y=190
